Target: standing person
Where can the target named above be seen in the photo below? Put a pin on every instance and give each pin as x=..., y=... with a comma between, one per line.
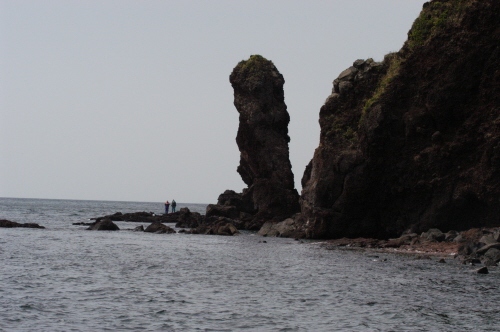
x=167, y=204
x=174, y=204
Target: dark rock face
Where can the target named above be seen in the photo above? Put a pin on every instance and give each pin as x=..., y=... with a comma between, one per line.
x=263, y=141
x=217, y=226
x=11, y=224
x=188, y=219
x=103, y=225
x=413, y=142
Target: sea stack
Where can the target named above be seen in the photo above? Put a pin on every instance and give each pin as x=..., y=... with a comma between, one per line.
x=263, y=140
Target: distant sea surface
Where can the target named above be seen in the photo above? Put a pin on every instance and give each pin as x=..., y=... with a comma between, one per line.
x=64, y=278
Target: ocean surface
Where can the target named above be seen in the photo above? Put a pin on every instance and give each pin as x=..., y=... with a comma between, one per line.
x=65, y=278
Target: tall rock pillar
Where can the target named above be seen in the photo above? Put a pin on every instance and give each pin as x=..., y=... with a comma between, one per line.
x=263, y=139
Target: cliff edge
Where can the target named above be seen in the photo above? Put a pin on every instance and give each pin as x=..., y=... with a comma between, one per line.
x=412, y=142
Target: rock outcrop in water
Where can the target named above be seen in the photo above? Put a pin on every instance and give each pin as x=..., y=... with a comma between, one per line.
x=11, y=224
x=413, y=142
x=263, y=143
x=103, y=225
x=159, y=228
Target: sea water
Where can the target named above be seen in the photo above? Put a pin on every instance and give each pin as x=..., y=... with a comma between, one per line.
x=65, y=278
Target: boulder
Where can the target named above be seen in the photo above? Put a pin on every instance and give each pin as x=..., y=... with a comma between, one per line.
x=227, y=229
x=484, y=249
x=491, y=257
x=103, y=225
x=139, y=229
x=287, y=228
x=216, y=226
x=493, y=254
x=483, y=270
x=488, y=239
x=433, y=235
x=188, y=219
x=159, y=228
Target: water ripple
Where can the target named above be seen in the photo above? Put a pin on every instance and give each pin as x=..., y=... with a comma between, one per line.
x=68, y=279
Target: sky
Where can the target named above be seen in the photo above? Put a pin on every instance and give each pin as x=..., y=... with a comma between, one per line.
x=127, y=100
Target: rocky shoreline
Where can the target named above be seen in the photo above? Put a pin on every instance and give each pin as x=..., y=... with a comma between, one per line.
x=479, y=246
x=476, y=246
x=473, y=246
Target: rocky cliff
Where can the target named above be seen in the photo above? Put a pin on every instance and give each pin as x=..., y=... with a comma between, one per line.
x=412, y=142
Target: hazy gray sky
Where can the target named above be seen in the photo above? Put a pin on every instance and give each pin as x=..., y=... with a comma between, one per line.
x=131, y=100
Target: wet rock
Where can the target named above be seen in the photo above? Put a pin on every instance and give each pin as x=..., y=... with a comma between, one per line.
x=188, y=219
x=221, y=226
x=287, y=228
x=488, y=239
x=103, y=225
x=227, y=229
x=467, y=249
x=433, y=234
x=484, y=249
x=405, y=239
x=11, y=224
x=139, y=228
x=493, y=254
x=159, y=228
x=483, y=270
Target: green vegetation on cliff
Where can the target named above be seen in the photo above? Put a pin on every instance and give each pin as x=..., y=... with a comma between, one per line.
x=435, y=16
x=254, y=70
x=393, y=62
